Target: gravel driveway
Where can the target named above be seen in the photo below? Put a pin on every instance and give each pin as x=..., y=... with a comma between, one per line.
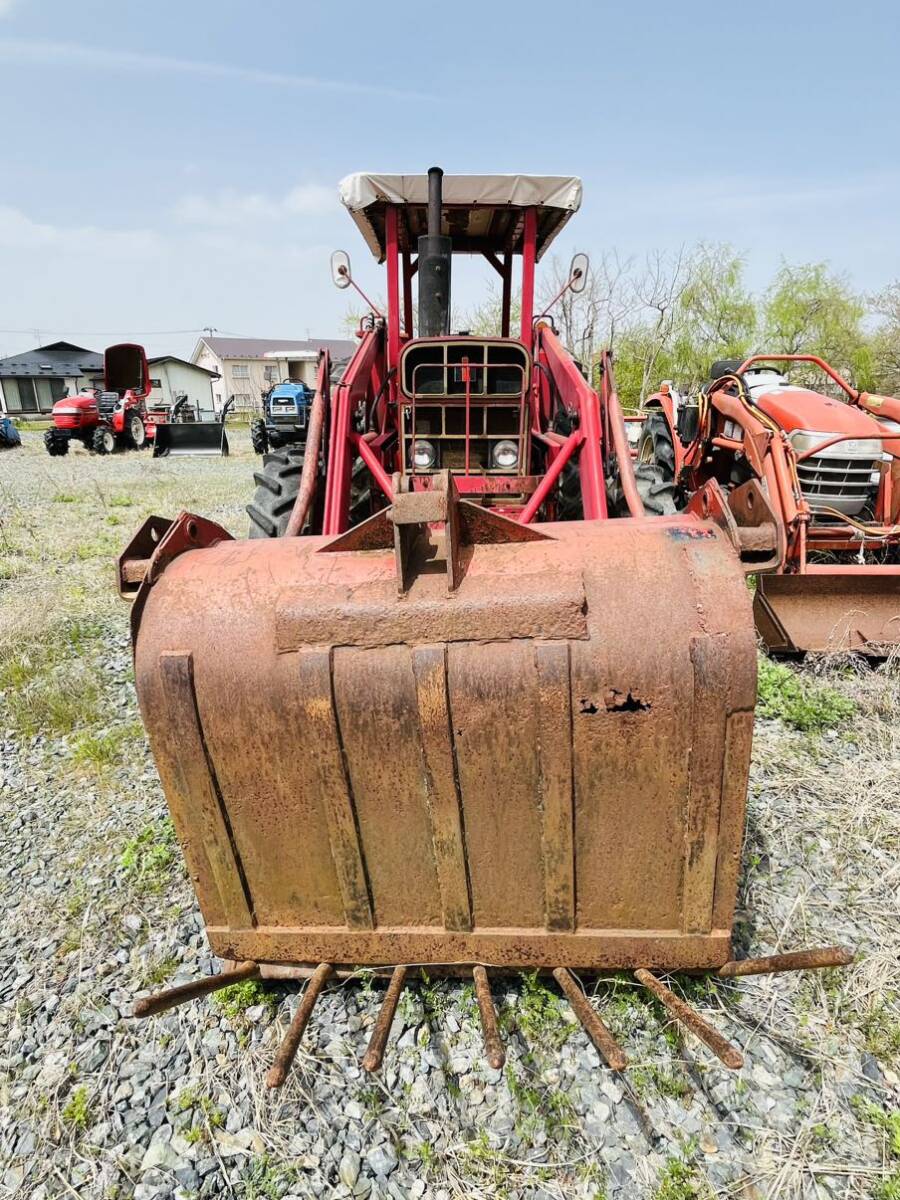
x=96, y=908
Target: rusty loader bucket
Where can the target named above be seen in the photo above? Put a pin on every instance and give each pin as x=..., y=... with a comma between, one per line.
x=830, y=607
x=487, y=746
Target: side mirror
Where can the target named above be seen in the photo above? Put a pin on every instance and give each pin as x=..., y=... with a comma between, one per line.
x=578, y=273
x=340, y=269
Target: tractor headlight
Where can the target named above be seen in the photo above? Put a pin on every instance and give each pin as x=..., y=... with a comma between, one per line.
x=424, y=455
x=804, y=440
x=505, y=455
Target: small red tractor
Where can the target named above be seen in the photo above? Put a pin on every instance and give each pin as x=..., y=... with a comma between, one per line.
x=526, y=726
x=108, y=418
x=826, y=473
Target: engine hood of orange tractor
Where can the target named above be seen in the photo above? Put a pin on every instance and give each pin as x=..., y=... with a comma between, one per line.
x=797, y=408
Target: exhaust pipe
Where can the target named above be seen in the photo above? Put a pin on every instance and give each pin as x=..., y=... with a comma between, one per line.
x=434, y=265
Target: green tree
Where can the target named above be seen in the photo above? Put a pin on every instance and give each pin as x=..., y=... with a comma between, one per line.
x=808, y=310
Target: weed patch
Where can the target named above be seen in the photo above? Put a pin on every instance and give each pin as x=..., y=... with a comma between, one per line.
x=77, y=1112
x=238, y=997
x=797, y=701
x=149, y=857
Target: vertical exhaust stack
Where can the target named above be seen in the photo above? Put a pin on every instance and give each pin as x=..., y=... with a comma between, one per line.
x=434, y=265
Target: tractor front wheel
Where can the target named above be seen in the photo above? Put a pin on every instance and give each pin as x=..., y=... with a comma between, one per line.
x=104, y=440
x=56, y=443
x=277, y=485
x=654, y=472
x=259, y=439
x=137, y=434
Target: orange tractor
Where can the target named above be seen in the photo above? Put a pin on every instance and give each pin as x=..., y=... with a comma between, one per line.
x=449, y=715
x=825, y=477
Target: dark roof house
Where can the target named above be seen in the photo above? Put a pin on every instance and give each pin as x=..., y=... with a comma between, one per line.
x=32, y=382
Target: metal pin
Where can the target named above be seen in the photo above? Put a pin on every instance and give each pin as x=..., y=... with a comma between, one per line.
x=593, y=1026
x=690, y=1018
x=797, y=960
x=288, y=1048
x=375, y=1053
x=160, y=1001
x=493, y=1043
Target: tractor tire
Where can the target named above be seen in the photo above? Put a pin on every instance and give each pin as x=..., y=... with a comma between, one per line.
x=657, y=492
x=137, y=432
x=56, y=443
x=277, y=485
x=656, y=445
x=104, y=440
x=259, y=439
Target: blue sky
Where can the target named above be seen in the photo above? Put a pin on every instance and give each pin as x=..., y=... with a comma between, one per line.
x=167, y=166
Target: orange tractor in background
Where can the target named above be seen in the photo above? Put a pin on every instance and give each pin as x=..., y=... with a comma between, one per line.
x=822, y=475
x=441, y=711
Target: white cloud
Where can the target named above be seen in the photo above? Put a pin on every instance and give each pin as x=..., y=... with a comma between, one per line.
x=230, y=207
x=48, y=53
x=20, y=232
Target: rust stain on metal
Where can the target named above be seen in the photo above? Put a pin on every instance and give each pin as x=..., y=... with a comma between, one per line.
x=593, y=1025
x=691, y=1019
x=493, y=1043
x=795, y=960
x=150, y=1006
x=375, y=1053
x=457, y=760
x=288, y=1049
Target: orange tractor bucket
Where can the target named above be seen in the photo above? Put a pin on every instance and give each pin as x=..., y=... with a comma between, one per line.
x=518, y=767
x=831, y=607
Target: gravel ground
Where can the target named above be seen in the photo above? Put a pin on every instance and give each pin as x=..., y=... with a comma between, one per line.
x=96, y=908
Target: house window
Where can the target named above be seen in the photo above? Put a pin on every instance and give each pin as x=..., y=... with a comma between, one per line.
x=243, y=401
x=20, y=395
x=155, y=383
x=48, y=392
x=271, y=372
x=240, y=371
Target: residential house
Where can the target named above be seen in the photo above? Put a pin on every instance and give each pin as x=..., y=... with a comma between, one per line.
x=248, y=367
x=171, y=377
x=32, y=382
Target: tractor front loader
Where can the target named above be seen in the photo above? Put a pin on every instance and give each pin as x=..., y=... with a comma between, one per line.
x=525, y=739
x=828, y=473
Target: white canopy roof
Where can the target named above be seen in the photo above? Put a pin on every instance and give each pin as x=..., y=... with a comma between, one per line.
x=481, y=212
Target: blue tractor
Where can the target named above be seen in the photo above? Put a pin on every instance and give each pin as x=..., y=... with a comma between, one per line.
x=285, y=416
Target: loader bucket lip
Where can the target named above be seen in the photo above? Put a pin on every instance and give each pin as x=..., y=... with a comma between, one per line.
x=830, y=608
x=200, y=438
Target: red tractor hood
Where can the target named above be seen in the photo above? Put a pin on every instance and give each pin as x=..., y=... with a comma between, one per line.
x=796, y=408
x=81, y=403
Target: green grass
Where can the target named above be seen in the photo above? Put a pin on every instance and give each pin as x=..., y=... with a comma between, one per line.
x=680, y=1180
x=102, y=750
x=77, y=1112
x=148, y=857
x=235, y=999
x=799, y=702
x=539, y=1015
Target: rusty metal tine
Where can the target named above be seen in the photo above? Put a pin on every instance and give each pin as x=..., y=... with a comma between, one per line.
x=160, y=1001
x=288, y=1048
x=691, y=1019
x=796, y=960
x=493, y=1043
x=593, y=1026
x=375, y=1053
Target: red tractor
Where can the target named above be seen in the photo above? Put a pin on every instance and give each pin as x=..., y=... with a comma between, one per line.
x=822, y=474
x=108, y=418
